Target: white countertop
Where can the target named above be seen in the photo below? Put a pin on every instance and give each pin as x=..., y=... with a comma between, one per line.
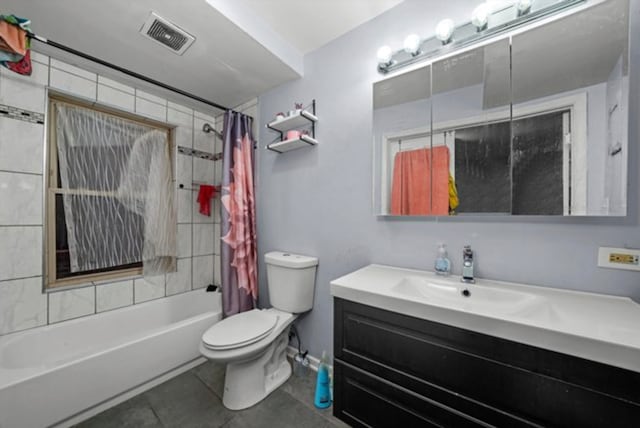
x=597, y=327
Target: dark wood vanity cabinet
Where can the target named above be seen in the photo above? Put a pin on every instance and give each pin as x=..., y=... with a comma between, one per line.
x=392, y=370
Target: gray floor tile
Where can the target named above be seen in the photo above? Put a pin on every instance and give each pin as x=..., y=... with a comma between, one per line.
x=194, y=399
x=212, y=375
x=186, y=402
x=302, y=388
x=133, y=413
x=277, y=410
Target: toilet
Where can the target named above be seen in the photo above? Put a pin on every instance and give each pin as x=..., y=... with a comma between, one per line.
x=253, y=344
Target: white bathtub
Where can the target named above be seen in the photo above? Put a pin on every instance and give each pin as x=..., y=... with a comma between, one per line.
x=62, y=373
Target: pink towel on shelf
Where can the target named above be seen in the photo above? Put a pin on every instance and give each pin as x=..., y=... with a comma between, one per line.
x=421, y=182
x=205, y=194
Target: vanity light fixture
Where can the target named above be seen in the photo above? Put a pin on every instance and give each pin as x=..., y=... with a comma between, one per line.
x=444, y=30
x=412, y=44
x=480, y=17
x=489, y=19
x=523, y=7
x=384, y=55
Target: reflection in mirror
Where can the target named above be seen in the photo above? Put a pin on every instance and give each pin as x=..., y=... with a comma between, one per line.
x=570, y=97
x=401, y=141
x=471, y=126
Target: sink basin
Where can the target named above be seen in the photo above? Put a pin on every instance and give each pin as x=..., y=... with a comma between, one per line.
x=467, y=296
x=593, y=326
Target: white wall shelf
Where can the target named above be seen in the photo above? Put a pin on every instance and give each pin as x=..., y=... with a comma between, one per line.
x=299, y=119
x=288, y=145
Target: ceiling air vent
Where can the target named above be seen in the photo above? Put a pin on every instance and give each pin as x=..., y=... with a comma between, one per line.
x=168, y=34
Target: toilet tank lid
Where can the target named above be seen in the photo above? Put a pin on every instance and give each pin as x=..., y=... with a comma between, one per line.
x=290, y=260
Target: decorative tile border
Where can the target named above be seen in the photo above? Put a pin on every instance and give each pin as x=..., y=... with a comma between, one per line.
x=199, y=154
x=21, y=114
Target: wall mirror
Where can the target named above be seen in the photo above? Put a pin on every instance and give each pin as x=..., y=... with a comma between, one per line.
x=533, y=124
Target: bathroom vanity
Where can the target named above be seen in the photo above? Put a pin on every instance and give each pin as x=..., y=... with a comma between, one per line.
x=415, y=349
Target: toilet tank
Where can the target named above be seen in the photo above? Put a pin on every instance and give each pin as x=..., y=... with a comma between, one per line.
x=291, y=279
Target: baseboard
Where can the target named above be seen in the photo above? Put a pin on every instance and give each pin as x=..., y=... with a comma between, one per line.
x=314, y=362
x=99, y=408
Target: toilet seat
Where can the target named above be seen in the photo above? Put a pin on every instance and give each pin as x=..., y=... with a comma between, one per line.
x=240, y=330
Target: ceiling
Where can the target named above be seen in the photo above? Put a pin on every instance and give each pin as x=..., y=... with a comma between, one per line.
x=243, y=47
x=310, y=24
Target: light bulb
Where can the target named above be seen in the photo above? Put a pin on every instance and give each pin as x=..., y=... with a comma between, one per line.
x=523, y=6
x=444, y=30
x=480, y=16
x=412, y=44
x=384, y=55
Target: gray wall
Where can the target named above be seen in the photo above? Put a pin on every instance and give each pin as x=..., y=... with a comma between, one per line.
x=318, y=201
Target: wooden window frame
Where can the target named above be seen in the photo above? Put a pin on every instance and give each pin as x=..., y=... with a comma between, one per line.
x=52, y=188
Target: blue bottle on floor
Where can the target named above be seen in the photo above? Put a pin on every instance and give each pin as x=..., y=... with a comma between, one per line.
x=322, y=398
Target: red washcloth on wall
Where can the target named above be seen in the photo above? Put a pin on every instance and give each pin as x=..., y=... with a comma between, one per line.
x=205, y=194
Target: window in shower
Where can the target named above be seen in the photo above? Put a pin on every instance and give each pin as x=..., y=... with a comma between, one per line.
x=109, y=202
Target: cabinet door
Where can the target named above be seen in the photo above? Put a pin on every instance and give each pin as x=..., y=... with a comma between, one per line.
x=365, y=400
x=491, y=379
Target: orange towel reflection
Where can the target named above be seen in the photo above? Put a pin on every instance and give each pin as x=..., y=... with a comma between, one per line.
x=421, y=182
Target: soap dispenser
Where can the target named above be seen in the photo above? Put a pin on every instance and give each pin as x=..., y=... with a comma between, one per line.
x=442, y=265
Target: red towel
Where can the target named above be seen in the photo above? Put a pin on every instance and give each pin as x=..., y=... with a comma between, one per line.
x=205, y=194
x=23, y=66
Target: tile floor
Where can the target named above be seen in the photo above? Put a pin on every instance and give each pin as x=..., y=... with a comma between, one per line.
x=194, y=399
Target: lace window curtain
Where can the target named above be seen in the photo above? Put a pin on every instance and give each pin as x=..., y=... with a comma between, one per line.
x=116, y=183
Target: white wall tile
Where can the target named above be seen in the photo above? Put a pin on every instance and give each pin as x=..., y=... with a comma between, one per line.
x=202, y=239
x=207, y=117
x=21, y=146
x=216, y=208
x=64, y=66
x=202, y=140
x=184, y=240
x=25, y=92
x=180, y=107
x=116, y=98
x=73, y=84
x=202, y=271
x=217, y=173
x=150, y=97
x=184, y=170
x=216, y=238
x=114, y=295
x=20, y=252
x=20, y=199
x=149, y=288
x=203, y=170
x=66, y=305
x=38, y=57
x=116, y=85
x=201, y=218
x=177, y=117
x=22, y=304
x=183, y=136
x=180, y=281
x=151, y=109
x=185, y=203
x=217, y=271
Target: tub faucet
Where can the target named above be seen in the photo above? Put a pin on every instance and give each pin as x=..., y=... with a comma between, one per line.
x=467, y=265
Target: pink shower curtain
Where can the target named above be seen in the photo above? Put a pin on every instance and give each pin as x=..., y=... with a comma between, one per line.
x=239, y=248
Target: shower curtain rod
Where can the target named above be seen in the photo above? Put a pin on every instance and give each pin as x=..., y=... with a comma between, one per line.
x=123, y=70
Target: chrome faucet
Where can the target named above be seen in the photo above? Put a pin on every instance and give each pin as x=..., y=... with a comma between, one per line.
x=467, y=265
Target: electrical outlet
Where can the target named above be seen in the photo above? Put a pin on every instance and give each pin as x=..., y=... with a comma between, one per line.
x=619, y=258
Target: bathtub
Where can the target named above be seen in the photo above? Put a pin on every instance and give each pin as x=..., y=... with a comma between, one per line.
x=60, y=374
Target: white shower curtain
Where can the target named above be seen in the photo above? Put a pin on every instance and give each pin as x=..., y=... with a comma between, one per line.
x=116, y=181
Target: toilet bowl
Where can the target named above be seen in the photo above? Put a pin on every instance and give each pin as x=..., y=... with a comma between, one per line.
x=253, y=344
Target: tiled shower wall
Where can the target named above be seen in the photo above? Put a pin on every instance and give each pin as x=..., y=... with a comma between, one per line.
x=23, y=304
